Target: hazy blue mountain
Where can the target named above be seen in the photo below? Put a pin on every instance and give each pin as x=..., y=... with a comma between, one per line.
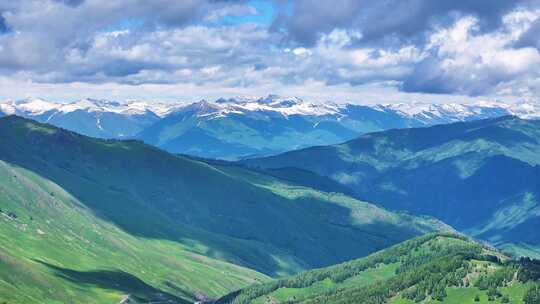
x=96, y=118
x=236, y=128
x=481, y=177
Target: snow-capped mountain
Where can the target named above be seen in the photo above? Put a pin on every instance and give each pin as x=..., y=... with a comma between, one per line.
x=272, y=104
x=97, y=118
x=239, y=127
x=453, y=112
x=419, y=113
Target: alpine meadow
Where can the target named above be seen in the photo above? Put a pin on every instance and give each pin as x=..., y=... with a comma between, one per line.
x=269, y=151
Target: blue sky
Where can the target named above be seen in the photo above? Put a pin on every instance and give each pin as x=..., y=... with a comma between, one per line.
x=341, y=50
x=264, y=16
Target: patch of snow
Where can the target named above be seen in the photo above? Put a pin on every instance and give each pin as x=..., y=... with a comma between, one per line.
x=35, y=106
x=85, y=105
x=285, y=106
x=7, y=108
x=98, y=123
x=460, y=112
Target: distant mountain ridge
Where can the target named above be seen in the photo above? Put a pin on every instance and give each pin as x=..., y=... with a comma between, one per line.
x=242, y=127
x=482, y=177
x=96, y=118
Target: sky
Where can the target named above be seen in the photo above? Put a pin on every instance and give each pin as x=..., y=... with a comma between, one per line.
x=362, y=51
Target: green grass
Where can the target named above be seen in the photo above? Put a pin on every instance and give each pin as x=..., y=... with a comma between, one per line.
x=515, y=292
x=454, y=296
x=467, y=295
x=56, y=249
x=400, y=300
x=369, y=276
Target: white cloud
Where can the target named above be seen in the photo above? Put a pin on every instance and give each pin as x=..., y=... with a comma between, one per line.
x=233, y=10
x=461, y=59
x=301, y=51
x=87, y=48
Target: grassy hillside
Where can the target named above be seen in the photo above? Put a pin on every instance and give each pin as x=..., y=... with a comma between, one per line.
x=481, y=177
x=436, y=268
x=87, y=219
x=53, y=249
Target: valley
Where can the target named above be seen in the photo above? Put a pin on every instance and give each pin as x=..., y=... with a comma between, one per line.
x=89, y=219
x=110, y=220
x=93, y=226
x=269, y=152
x=480, y=177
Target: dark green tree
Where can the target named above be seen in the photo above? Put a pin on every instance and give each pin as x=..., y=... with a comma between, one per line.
x=532, y=296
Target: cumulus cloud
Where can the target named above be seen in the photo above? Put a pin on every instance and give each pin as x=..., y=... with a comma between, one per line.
x=463, y=60
x=232, y=10
x=305, y=21
x=341, y=46
x=530, y=37
x=42, y=32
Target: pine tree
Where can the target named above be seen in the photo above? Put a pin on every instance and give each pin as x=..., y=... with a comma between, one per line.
x=533, y=295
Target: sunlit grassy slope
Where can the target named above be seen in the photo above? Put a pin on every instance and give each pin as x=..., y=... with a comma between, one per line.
x=55, y=250
x=90, y=221
x=481, y=177
x=437, y=268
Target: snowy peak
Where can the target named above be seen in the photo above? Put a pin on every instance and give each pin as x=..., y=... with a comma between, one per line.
x=279, y=101
x=200, y=108
x=92, y=117
x=7, y=108
x=276, y=123
x=424, y=113
x=452, y=112
x=95, y=105
x=36, y=106
x=525, y=110
x=272, y=104
x=88, y=105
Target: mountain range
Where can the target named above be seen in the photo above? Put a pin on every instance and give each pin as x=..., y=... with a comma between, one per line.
x=96, y=118
x=481, y=177
x=245, y=127
x=90, y=220
x=86, y=220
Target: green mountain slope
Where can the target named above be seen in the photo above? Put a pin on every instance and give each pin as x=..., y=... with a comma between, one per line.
x=102, y=218
x=436, y=268
x=53, y=249
x=481, y=177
